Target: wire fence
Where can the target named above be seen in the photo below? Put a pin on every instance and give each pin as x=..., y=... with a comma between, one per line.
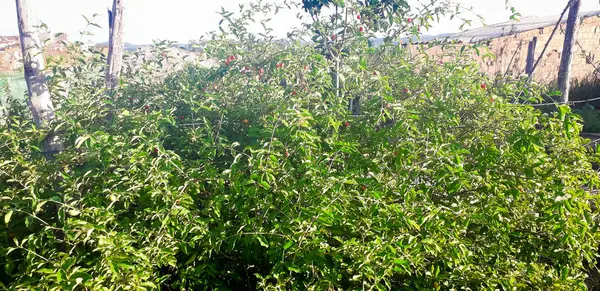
x=557, y=103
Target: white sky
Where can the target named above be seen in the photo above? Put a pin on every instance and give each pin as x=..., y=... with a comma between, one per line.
x=182, y=20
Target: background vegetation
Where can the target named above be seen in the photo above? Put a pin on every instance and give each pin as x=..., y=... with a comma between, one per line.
x=321, y=165
x=11, y=86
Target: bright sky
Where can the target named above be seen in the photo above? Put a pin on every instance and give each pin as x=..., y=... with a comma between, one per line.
x=182, y=20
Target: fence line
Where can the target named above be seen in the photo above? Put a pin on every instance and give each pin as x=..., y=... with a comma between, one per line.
x=556, y=103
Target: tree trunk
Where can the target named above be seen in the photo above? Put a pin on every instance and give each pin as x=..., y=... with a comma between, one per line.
x=564, y=73
x=115, y=46
x=39, y=100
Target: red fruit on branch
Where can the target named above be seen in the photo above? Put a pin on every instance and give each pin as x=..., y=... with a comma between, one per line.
x=231, y=58
x=247, y=68
x=361, y=29
x=346, y=124
x=245, y=121
x=410, y=20
x=483, y=86
x=146, y=107
x=358, y=17
x=155, y=151
x=287, y=154
x=405, y=90
x=333, y=36
x=261, y=71
x=181, y=117
x=294, y=93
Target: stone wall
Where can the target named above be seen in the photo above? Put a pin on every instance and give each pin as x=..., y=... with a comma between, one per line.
x=511, y=52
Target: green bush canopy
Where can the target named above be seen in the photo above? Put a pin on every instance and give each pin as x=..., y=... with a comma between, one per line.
x=255, y=174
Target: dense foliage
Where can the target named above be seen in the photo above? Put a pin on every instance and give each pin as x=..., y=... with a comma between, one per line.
x=254, y=174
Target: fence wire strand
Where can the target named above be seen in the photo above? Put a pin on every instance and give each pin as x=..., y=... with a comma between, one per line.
x=557, y=103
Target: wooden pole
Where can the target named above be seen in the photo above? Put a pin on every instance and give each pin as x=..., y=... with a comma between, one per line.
x=115, y=46
x=562, y=15
x=564, y=73
x=531, y=56
x=39, y=100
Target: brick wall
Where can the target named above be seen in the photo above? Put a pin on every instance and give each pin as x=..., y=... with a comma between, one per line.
x=10, y=53
x=511, y=52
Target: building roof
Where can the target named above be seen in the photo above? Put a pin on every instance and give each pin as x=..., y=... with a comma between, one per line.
x=512, y=27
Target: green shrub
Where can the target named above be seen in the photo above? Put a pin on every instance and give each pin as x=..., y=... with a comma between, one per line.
x=586, y=89
x=591, y=119
x=231, y=178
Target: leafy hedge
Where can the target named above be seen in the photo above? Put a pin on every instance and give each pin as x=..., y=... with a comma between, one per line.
x=255, y=175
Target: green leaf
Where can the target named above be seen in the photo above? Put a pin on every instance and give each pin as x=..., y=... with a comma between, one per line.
x=351, y=182
x=262, y=242
x=61, y=275
x=74, y=212
x=265, y=185
x=294, y=268
x=124, y=265
x=414, y=224
x=287, y=244
x=80, y=140
x=9, y=267
x=149, y=285
x=81, y=277
x=61, y=215
x=39, y=206
x=7, y=217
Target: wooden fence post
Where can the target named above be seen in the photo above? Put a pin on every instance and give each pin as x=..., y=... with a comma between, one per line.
x=115, y=46
x=39, y=100
x=564, y=73
x=531, y=56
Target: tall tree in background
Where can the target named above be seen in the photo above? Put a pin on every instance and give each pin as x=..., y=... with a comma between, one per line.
x=564, y=73
x=115, y=45
x=39, y=100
